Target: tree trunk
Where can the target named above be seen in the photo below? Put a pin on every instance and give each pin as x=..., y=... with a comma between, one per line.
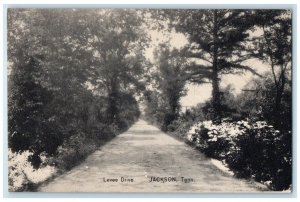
x=112, y=110
x=215, y=71
x=279, y=95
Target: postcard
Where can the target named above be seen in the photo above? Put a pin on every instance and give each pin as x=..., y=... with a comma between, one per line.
x=149, y=100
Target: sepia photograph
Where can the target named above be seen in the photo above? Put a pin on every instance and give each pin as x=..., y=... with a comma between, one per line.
x=136, y=100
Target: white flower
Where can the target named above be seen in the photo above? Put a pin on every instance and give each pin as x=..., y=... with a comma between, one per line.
x=21, y=170
x=190, y=137
x=261, y=124
x=214, y=139
x=246, y=124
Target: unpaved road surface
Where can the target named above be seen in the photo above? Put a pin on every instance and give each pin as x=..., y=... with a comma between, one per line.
x=138, y=155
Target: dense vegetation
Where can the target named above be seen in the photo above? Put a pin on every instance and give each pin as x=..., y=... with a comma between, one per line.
x=73, y=78
x=251, y=131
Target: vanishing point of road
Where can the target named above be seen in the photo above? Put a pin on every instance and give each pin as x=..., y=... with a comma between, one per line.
x=144, y=159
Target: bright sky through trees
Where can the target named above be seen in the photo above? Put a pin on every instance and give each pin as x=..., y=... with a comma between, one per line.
x=201, y=93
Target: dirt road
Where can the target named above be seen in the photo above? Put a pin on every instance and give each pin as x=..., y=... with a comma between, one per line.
x=144, y=159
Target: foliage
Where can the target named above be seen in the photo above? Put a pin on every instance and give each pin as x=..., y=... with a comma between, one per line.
x=220, y=41
x=155, y=109
x=258, y=103
x=70, y=89
x=217, y=44
x=74, y=150
x=21, y=173
x=255, y=149
x=116, y=45
x=274, y=47
x=169, y=77
x=27, y=121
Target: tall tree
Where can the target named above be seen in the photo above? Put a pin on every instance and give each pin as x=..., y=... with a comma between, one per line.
x=52, y=64
x=217, y=43
x=29, y=94
x=171, y=79
x=117, y=42
x=274, y=47
x=27, y=118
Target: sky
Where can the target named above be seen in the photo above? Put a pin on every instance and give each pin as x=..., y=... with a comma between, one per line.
x=201, y=93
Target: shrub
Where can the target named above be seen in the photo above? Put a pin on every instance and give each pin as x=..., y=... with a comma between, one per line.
x=22, y=174
x=250, y=149
x=180, y=127
x=78, y=146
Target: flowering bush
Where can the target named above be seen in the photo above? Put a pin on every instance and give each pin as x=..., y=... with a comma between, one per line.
x=255, y=150
x=22, y=173
x=216, y=140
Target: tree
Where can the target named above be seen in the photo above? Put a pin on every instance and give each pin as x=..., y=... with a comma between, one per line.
x=257, y=102
x=171, y=79
x=274, y=47
x=29, y=95
x=217, y=42
x=27, y=119
x=52, y=66
x=155, y=107
x=117, y=42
